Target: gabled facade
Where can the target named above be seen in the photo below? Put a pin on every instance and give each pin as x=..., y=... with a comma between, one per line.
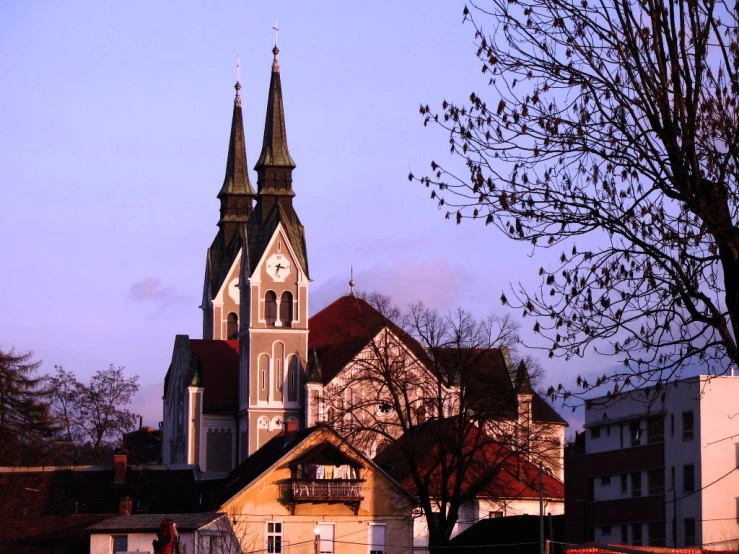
x=311, y=489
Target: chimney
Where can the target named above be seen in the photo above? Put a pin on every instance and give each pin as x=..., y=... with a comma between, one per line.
x=291, y=426
x=126, y=506
x=120, y=462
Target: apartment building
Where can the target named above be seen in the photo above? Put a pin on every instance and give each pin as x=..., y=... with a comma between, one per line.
x=658, y=471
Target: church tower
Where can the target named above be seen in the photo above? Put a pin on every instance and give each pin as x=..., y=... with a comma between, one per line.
x=220, y=291
x=274, y=283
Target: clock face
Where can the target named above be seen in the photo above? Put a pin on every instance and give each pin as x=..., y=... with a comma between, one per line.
x=278, y=267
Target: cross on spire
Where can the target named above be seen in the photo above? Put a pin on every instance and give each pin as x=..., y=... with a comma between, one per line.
x=276, y=29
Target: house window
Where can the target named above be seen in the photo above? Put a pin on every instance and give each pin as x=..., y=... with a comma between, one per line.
x=264, y=379
x=595, y=433
x=120, y=543
x=636, y=534
x=605, y=480
x=687, y=426
x=689, y=531
x=286, y=309
x=672, y=425
x=274, y=537
x=655, y=429
x=232, y=326
x=270, y=307
x=625, y=534
x=376, y=538
x=326, y=538
x=656, y=482
x=635, y=433
x=605, y=530
x=688, y=478
x=636, y=483
x=657, y=533
x=624, y=483
x=495, y=515
x=608, y=430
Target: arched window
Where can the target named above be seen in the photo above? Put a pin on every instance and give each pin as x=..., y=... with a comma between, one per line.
x=286, y=309
x=232, y=326
x=421, y=414
x=270, y=307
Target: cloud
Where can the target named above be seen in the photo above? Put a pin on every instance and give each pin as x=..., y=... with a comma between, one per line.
x=435, y=282
x=151, y=289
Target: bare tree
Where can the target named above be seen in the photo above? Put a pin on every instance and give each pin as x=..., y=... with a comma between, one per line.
x=434, y=401
x=609, y=131
x=94, y=416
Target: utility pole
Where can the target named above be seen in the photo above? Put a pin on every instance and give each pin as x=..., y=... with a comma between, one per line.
x=541, y=508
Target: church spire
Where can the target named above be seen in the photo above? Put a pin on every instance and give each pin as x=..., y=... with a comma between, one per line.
x=275, y=165
x=236, y=194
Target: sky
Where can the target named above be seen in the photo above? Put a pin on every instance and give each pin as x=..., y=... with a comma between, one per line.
x=114, y=125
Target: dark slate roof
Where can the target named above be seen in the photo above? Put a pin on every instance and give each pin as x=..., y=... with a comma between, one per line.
x=523, y=381
x=150, y=522
x=274, y=144
x=221, y=257
x=261, y=227
x=236, y=180
x=491, y=469
x=488, y=535
x=256, y=464
x=219, y=366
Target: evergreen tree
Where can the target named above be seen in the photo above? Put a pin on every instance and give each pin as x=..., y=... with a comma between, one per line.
x=26, y=428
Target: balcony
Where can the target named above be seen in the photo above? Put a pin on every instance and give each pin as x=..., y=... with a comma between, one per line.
x=346, y=491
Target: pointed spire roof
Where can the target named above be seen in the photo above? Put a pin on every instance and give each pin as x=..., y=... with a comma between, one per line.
x=523, y=381
x=274, y=144
x=236, y=180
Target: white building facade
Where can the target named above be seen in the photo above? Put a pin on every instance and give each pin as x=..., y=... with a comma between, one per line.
x=659, y=471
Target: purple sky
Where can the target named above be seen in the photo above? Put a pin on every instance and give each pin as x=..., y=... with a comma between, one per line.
x=114, y=122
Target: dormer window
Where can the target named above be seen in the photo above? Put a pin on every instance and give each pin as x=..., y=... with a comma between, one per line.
x=270, y=308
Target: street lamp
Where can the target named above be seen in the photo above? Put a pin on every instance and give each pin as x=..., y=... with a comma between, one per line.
x=316, y=538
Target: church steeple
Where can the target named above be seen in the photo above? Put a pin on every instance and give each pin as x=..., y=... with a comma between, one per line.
x=236, y=194
x=275, y=165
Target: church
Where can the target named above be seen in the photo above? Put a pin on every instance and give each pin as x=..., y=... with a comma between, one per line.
x=263, y=363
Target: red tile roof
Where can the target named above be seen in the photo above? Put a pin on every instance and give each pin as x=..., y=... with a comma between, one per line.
x=219, y=360
x=343, y=328
x=488, y=468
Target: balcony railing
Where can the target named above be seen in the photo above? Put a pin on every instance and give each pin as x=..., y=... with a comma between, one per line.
x=326, y=489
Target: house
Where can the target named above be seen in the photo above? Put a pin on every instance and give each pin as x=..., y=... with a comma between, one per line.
x=658, y=467
x=48, y=509
x=498, y=482
x=311, y=488
x=209, y=533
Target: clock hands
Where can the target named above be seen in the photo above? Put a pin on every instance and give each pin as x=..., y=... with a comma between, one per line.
x=278, y=267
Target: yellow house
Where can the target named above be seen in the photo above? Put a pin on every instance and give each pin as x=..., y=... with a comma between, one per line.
x=310, y=492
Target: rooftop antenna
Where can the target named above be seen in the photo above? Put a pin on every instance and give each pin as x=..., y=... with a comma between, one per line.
x=351, y=281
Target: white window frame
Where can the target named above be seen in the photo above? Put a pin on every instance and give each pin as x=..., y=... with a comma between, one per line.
x=273, y=535
x=370, y=544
